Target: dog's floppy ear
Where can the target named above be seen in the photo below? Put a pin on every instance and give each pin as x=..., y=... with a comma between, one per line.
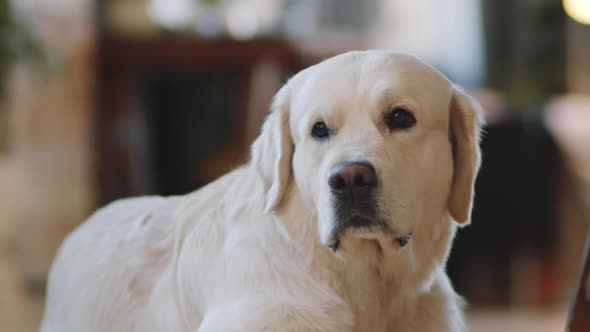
x=272, y=151
x=465, y=121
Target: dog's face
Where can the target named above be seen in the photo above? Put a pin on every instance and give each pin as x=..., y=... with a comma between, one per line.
x=376, y=143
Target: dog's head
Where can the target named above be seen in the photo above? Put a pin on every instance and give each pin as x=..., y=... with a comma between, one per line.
x=376, y=142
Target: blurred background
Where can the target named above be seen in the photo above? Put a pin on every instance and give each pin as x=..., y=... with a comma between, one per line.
x=106, y=99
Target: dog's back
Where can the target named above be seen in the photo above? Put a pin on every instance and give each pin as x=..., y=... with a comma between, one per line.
x=197, y=262
x=108, y=266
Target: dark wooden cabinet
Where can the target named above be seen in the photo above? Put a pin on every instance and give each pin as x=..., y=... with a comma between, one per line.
x=579, y=319
x=175, y=113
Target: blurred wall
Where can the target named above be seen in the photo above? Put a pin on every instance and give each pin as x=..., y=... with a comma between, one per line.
x=46, y=167
x=448, y=34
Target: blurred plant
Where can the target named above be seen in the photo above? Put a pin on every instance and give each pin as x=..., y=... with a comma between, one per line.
x=17, y=43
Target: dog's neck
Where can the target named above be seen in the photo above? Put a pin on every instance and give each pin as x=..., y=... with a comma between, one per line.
x=395, y=281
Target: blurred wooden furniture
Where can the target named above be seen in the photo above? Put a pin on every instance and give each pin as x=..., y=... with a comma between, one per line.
x=122, y=68
x=579, y=319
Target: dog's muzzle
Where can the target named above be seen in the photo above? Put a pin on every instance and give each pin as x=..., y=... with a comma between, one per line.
x=353, y=186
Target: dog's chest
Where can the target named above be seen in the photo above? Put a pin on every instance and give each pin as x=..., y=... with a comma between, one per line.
x=368, y=296
x=361, y=286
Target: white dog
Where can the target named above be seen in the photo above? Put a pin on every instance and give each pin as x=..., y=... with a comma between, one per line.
x=341, y=221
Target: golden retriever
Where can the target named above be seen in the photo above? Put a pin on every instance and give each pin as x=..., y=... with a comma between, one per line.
x=342, y=220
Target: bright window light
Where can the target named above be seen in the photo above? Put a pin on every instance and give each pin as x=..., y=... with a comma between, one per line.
x=173, y=14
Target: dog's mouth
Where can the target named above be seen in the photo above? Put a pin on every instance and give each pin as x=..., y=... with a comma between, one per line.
x=382, y=234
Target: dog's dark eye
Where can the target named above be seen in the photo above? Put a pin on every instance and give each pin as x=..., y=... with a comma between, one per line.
x=320, y=130
x=399, y=118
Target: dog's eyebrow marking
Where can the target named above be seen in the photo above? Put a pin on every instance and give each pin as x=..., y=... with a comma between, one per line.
x=384, y=96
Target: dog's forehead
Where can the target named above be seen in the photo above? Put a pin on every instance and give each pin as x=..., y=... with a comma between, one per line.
x=367, y=76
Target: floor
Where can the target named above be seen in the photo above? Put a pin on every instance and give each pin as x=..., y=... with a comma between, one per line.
x=518, y=319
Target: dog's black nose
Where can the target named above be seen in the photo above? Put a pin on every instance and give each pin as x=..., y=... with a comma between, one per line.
x=352, y=178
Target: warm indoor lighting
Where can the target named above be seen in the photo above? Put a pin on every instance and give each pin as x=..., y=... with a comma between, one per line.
x=173, y=14
x=579, y=10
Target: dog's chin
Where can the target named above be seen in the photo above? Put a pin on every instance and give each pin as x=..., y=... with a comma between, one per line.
x=363, y=242
x=368, y=249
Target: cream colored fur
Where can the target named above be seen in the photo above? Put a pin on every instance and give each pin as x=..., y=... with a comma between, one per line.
x=249, y=251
